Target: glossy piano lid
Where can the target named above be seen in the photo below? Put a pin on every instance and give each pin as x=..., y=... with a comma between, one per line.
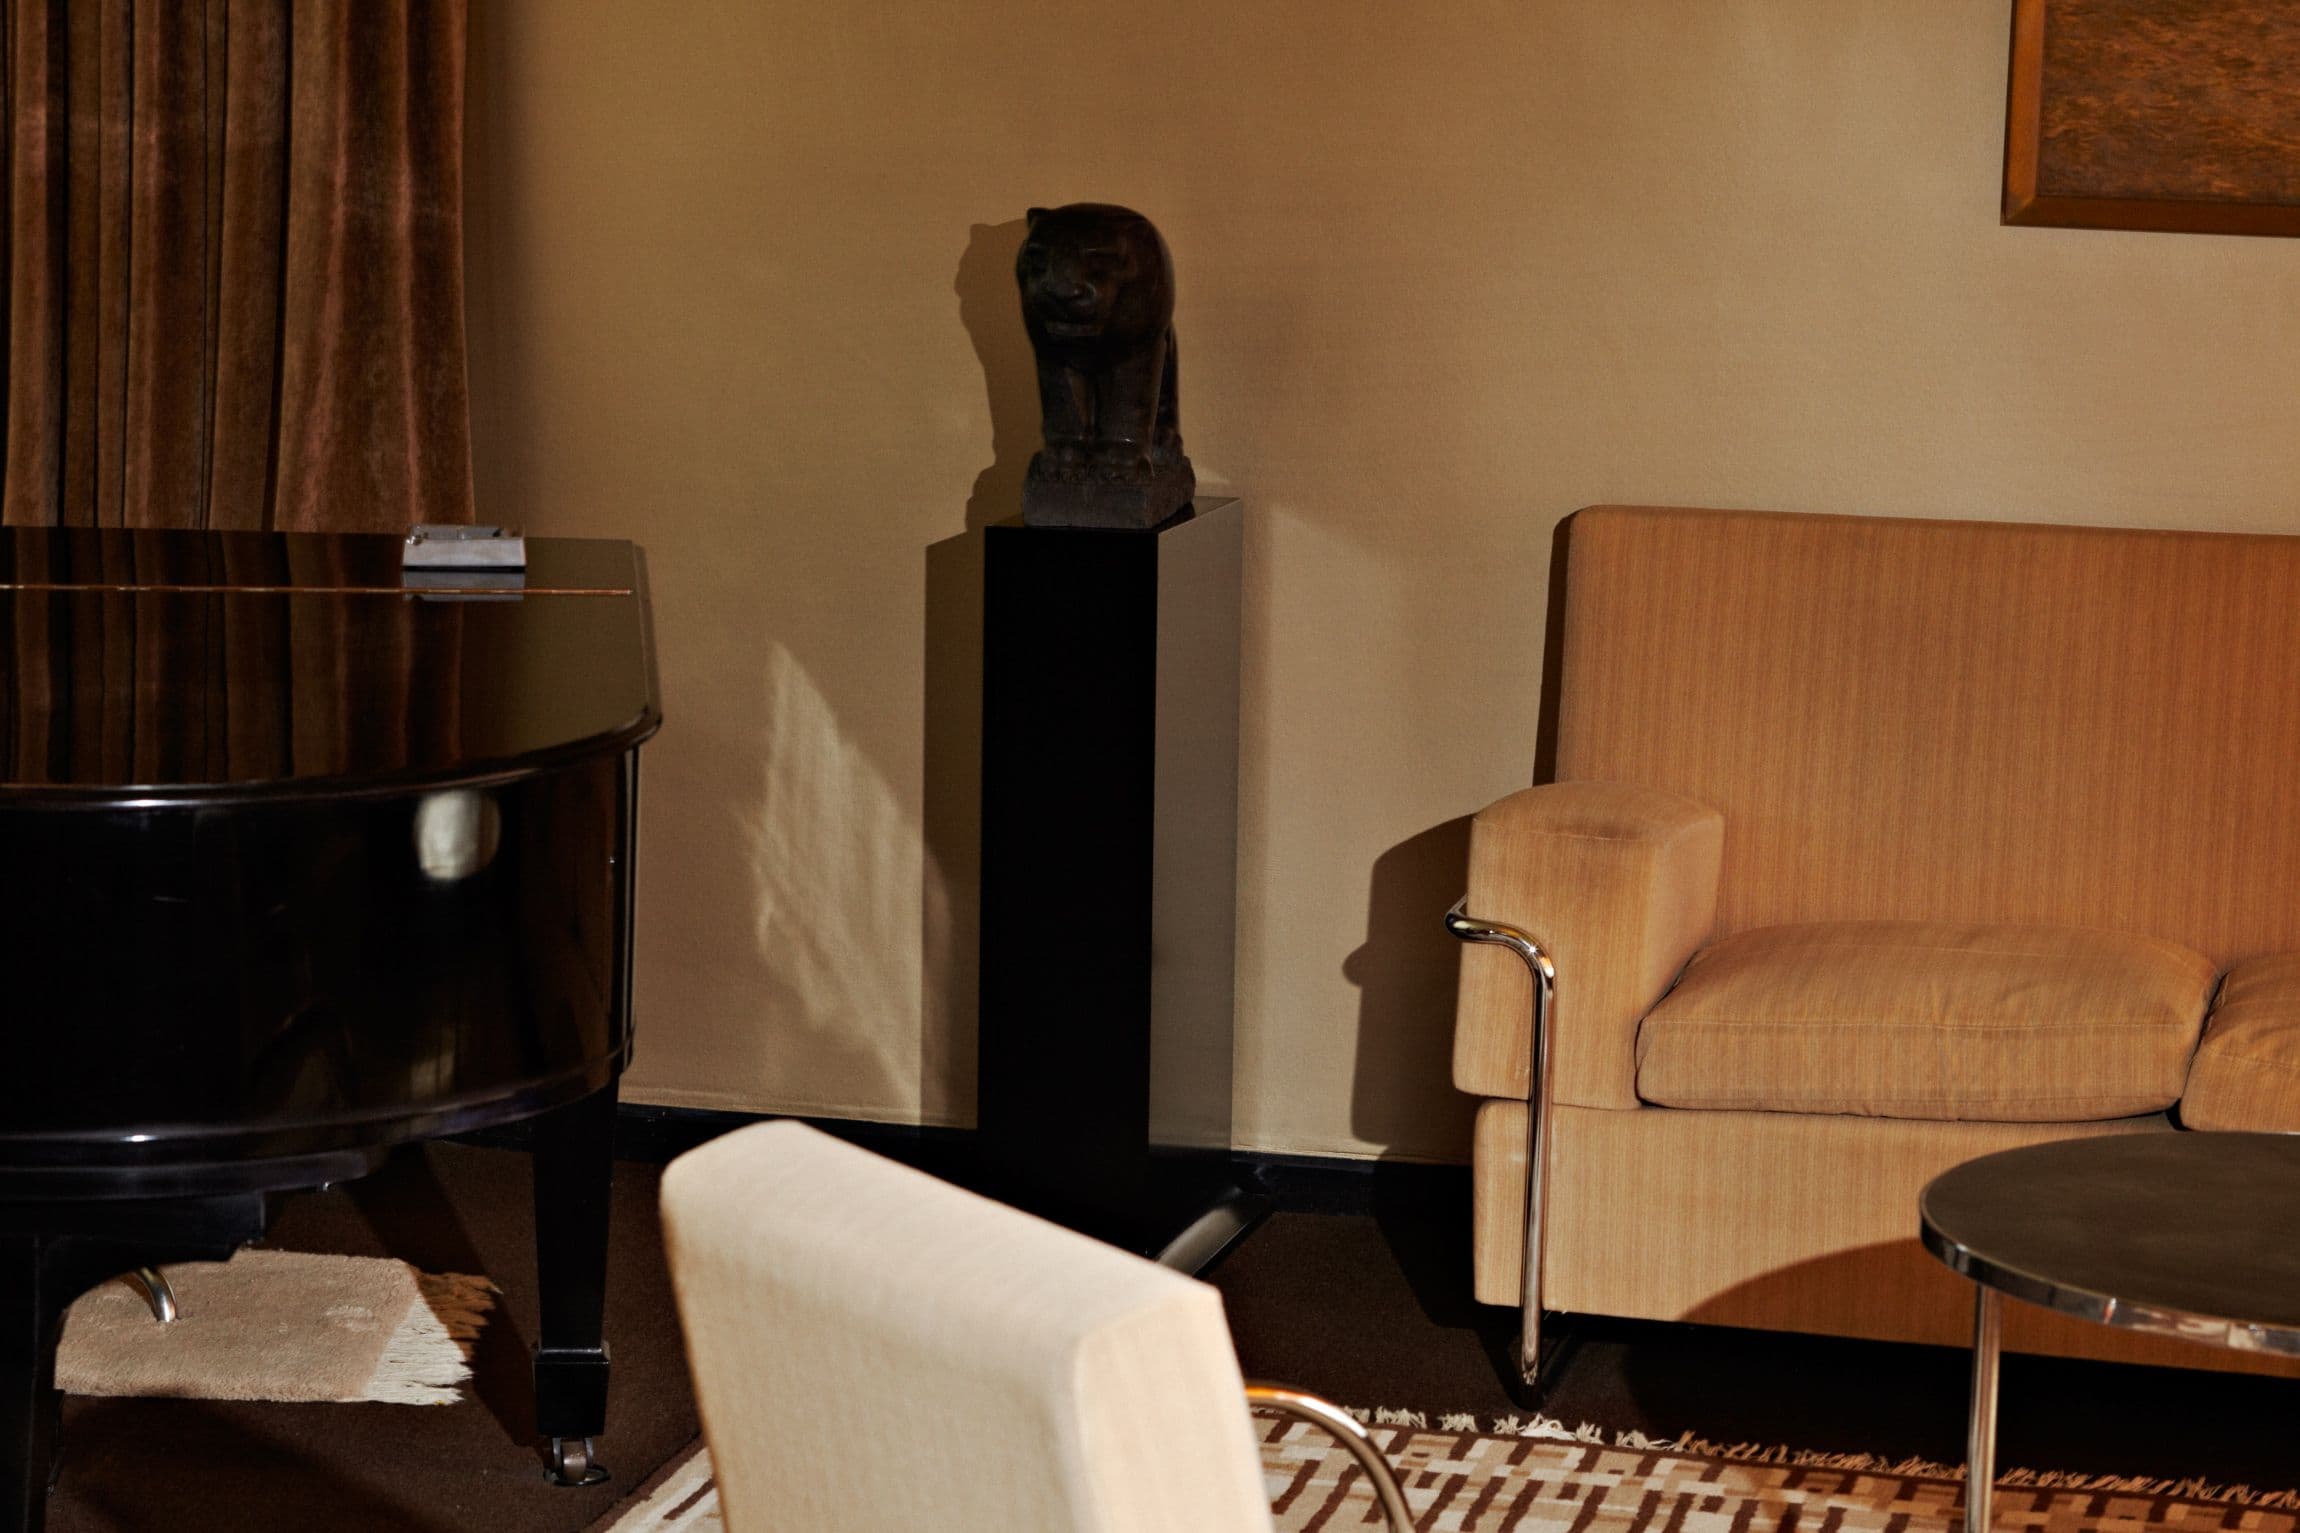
x=149, y=666
x=146, y=559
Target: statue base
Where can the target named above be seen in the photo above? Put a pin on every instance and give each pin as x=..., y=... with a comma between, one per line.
x=1048, y=501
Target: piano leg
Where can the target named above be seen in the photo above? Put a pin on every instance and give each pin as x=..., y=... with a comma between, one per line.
x=574, y=1171
x=50, y=1255
x=32, y=1302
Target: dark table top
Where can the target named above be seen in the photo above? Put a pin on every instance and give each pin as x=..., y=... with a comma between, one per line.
x=2186, y=1234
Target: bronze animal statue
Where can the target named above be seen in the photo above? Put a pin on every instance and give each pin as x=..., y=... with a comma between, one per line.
x=1098, y=303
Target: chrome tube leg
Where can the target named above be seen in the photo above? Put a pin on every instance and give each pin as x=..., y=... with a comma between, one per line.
x=1981, y=1425
x=1343, y=1428
x=1544, y=975
x=159, y=1298
x=1536, y=1180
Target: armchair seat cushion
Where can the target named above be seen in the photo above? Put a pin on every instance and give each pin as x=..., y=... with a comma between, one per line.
x=1918, y=1019
x=2246, y=1074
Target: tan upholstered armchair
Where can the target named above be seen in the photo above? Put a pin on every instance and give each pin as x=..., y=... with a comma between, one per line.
x=1875, y=845
x=1641, y=866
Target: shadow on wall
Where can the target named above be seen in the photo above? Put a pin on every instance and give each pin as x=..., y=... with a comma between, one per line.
x=1405, y=973
x=992, y=314
x=1408, y=968
x=950, y=916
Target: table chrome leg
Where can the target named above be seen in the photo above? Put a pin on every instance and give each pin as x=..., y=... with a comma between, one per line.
x=1981, y=1426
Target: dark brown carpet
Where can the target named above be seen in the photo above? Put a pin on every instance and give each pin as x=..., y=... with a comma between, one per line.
x=1375, y=1312
x=133, y=1466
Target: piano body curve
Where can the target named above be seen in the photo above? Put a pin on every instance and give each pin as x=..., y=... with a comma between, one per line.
x=304, y=856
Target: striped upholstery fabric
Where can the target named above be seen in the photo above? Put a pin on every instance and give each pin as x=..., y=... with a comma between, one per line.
x=1783, y=1221
x=2246, y=1074
x=1914, y=1019
x=1618, y=885
x=1973, y=723
x=1953, y=721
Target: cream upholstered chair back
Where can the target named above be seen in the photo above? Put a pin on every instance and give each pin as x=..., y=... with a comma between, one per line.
x=873, y=1349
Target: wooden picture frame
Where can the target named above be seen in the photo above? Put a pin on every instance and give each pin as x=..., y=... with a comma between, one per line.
x=2137, y=114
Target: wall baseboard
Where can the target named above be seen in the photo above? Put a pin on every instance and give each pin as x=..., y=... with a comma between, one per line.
x=1300, y=1184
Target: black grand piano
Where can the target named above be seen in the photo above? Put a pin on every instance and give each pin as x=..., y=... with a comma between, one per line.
x=310, y=846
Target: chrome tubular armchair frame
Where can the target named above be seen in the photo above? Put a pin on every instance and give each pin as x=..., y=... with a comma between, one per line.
x=1344, y=1429
x=1471, y=928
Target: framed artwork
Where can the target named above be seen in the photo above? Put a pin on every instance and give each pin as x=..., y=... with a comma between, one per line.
x=2155, y=114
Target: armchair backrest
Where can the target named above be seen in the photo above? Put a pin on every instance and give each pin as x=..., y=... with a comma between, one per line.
x=1953, y=720
x=875, y=1349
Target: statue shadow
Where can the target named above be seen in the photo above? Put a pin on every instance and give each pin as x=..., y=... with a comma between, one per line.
x=992, y=314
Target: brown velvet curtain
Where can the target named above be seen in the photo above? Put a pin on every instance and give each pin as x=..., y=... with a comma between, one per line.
x=234, y=253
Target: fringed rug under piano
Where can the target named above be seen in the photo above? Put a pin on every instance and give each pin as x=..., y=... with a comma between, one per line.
x=281, y=1325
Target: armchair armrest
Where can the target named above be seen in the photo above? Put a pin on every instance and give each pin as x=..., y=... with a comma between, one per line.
x=1617, y=885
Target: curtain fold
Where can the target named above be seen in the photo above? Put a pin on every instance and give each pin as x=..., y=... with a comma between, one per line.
x=234, y=253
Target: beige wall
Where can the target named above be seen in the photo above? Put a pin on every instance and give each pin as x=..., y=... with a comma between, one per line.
x=740, y=291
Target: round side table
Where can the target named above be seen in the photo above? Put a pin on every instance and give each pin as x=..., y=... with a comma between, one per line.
x=2182, y=1234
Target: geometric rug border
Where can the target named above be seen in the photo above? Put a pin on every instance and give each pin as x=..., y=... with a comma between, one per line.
x=1429, y=1461
x=1538, y=1427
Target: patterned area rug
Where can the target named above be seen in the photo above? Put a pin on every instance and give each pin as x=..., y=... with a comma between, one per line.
x=281, y=1325
x=1528, y=1476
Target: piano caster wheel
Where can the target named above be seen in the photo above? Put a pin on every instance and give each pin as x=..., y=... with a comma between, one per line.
x=571, y=1462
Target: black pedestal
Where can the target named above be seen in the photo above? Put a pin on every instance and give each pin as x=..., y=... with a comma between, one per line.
x=1109, y=879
